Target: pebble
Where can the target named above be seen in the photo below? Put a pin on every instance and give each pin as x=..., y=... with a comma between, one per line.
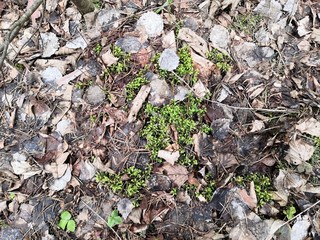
x=129, y=44
x=169, y=60
x=152, y=23
x=95, y=95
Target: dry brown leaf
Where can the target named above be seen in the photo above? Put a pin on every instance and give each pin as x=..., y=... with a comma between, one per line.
x=310, y=126
x=196, y=42
x=177, y=173
x=299, y=152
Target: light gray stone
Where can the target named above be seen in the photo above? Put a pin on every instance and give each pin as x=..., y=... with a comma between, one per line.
x=168, y=60
x=95, y=95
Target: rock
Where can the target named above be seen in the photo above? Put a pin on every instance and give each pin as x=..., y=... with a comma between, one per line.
x=253, y=54
x=129, y=44
x=105, y=18
x=8, y=233
x=159, y=182
x=263, y=37
x=50, y=44
x=271, y=9
x=95, y=95
x=191, y=23
x=219, y=36
x=93, y=67
x=169, y=60
x=151, y=23
x=50, y=75
x=160, y=93
x=181, y=93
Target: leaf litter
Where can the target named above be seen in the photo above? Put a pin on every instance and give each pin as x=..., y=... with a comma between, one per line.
x=242, y=164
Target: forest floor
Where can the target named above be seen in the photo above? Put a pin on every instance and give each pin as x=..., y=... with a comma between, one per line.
x=161, y=120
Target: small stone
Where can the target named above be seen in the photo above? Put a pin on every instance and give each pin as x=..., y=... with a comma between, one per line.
x=152, y=23
x=160, y=92
x=95, y=95
x=106, y=17
x=169, y=60
x=219, y=36
x=129, y=44
x=159, y=182
x=191, y=23
x=50, y=75
x=181, y=93
x=8, y=233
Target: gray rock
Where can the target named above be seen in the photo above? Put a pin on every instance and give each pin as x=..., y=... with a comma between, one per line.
x=191, y=23
x=51, y=75
x=219, y=36
x=181, y=93
x=95, y=95
x=105, y=18
x=129, y=44
x=253, y=54
x=270, y=9
x=160, y=93
x=263, y=37
x=169, y=60
x=8, y=233
x=94, y=68
x=152, y=23
x=159, y=182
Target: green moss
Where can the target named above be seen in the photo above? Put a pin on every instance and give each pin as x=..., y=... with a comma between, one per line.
x=136, y=181
x=134, y=86
x=247, y=23
x=262, y=186
x=185, y=69
x=122, y=65
x=184, y=116
x=97, y=4
x=222, y=61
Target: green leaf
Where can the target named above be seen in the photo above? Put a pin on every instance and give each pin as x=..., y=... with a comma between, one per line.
x=63, y=223
x=114, y=219
x=65, y=215
x=71, y=226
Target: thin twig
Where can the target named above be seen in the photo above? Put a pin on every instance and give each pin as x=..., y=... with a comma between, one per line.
x=15, y=28
x=296, y=216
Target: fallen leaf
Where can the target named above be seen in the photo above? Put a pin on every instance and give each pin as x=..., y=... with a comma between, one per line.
x=299, y=152
x=61, y=183
x=177, y=173
x=196, y=42
x=125, y=207
x=310, y=126
x=170, y=157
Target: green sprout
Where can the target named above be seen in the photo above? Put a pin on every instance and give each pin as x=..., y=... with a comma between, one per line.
x=167, y=3
x=221, y=60
x=289, y=212
x=98, y=48
x=66, y=222
x=114, y=219
x=97, y=4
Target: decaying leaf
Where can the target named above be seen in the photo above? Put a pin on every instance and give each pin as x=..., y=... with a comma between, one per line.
x=125, y=207
x=170, y=157
x=299, y=152
x=310, y=126
x=177, y=173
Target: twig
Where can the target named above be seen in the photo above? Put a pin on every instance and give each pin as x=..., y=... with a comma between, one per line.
x=296, y=216
x=15, y=28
